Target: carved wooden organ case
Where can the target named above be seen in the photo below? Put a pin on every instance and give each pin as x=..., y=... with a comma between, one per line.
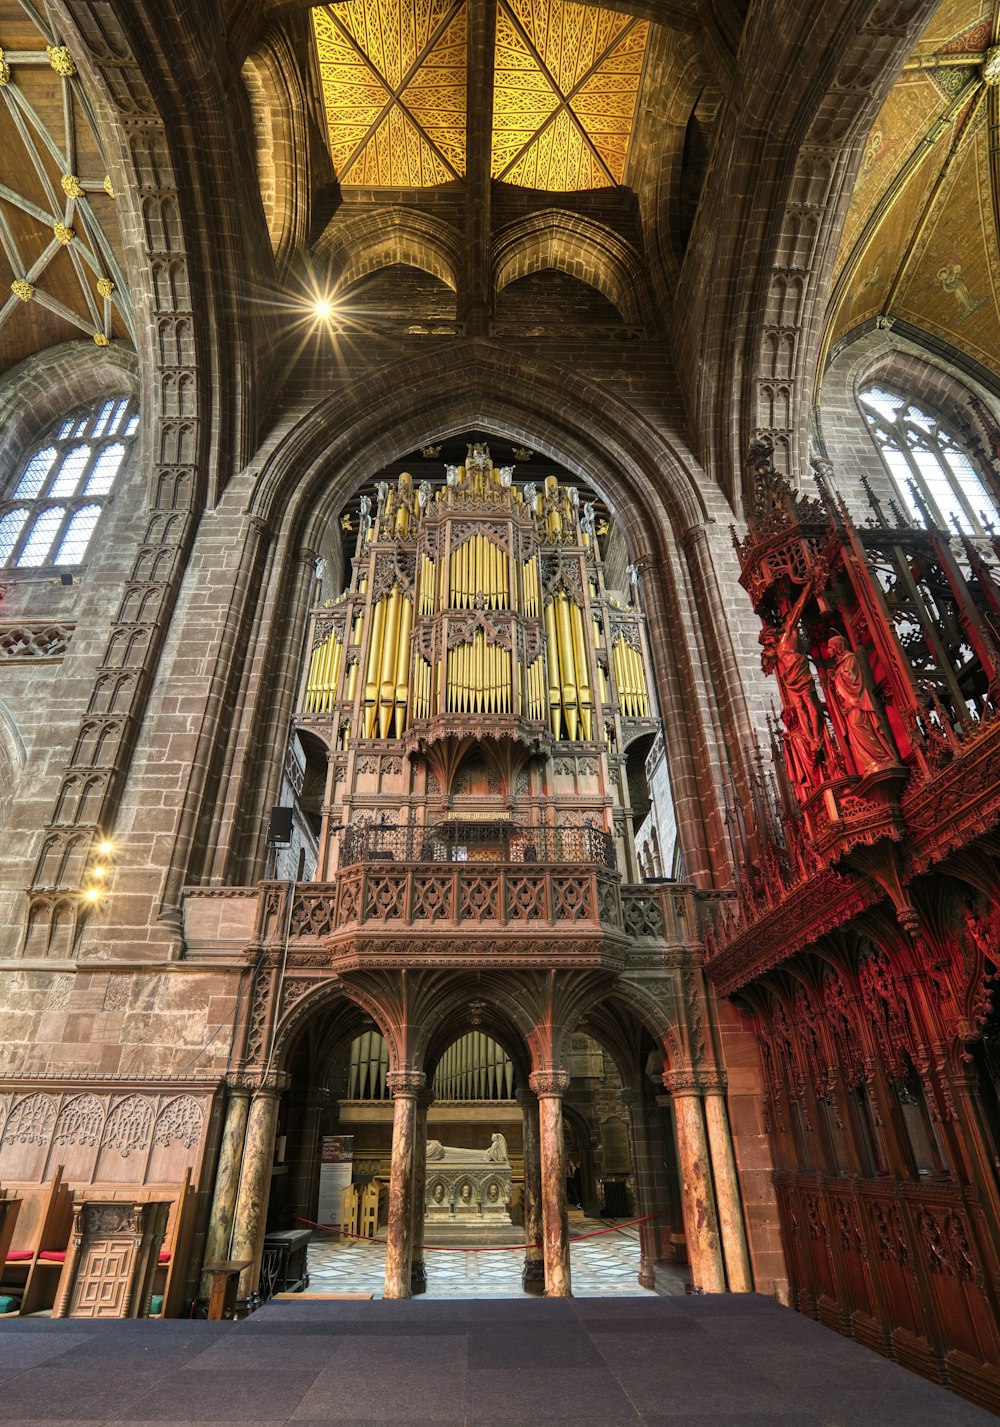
x=477, y=668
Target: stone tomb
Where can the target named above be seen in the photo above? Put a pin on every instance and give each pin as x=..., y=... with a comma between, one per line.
x=468, y=1191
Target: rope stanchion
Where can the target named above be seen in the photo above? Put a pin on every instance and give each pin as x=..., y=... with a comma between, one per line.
x=479, y=1248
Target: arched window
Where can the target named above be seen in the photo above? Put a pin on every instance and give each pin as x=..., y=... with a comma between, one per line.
x=918, y=450
x=59, y=494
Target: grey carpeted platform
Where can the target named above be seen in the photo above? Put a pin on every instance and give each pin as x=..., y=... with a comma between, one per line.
x=663, y=1362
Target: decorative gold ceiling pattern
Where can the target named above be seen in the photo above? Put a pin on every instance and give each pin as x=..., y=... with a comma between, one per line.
x=565, y=91
x=921, y=239
x=60, y=272
x=394, y=76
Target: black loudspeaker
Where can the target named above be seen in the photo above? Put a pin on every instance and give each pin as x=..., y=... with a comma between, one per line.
x=279, y=829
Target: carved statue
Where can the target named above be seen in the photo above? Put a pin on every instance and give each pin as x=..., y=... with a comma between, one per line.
x=530, y=492
x=451, y=475
x=496, y=1154
x=497, y=1151
x=506, y=476
x=803, y=717
x=424, y=494
x=868, y=741
x=587, y=523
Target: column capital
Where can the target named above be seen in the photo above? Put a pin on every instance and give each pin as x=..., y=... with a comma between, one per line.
x=406, y=1082
x=525, y=1098
x=425, y=1098
x=249, y=1082
x=683, y=1082
x=714, y=1082
x=549, y=1082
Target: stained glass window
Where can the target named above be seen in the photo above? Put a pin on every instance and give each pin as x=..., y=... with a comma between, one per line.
x=63, y=484
x=927, y=463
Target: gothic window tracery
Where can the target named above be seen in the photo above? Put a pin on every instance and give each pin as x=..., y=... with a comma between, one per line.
x=927, y=463
x=63, y=485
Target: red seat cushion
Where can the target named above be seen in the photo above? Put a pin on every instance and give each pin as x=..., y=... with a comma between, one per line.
x=165, y=1256
x=53, y=1255
x=19, y=1255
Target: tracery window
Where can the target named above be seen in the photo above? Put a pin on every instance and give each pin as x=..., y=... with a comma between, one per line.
x=62, y=487
x=918, y=449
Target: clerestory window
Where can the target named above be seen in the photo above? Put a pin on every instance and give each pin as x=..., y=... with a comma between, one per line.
x=63, y=485
x=927, y=463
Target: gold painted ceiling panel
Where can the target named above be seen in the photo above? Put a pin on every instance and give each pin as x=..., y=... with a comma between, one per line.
x=920, y=242
x=394, y=80
x=394, y=76
x=565, y=91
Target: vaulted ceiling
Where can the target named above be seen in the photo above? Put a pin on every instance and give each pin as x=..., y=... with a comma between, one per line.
x=61, y=274
x=565, y=82
x=922, y=238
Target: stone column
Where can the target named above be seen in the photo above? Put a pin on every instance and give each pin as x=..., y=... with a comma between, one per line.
x=533, y=1277
x=255, y=1186
x=227, y=1179
x=550, y=1085
x=418, y=1269
x=404, y=1085
x=644, y=1177
x=701, y=1226
x=727, y=1192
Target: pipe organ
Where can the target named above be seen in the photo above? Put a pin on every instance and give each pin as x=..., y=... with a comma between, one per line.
x=477, y=608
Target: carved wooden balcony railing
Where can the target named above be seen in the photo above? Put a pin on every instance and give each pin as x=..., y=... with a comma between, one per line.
x=419, y=914
x=473, y=841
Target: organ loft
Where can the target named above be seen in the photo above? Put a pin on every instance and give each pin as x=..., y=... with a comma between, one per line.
x=475, y=642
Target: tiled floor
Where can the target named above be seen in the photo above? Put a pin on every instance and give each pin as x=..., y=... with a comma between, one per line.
x=609, y=1362
x=607, y=1265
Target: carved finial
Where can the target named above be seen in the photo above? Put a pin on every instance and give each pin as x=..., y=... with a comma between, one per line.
x=873, y=499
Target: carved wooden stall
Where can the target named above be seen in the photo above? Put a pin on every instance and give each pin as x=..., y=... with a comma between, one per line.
x=86, y=1144
x=862, y=941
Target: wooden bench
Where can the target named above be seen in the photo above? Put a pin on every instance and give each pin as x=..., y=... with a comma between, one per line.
x=34, y=1257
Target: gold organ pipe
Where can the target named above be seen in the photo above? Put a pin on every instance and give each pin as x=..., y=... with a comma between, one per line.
x=582, y=671
x=555, y=702
x=387, y=687
x=352, y=680
x=372, y=671
x=567, y=665
x=504, y=579
x=403, y=665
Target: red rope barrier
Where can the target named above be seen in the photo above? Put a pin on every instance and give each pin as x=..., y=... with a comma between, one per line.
x=478, y=1248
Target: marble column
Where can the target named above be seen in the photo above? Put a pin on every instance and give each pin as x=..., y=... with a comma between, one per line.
x=727, y=1193
x=418, y=1269
x=701, y=1225
x=227, y=1180
x=644, y=1180
x=550, y=1085
x=405, y=1086
x=533, y=1276
x=255, y=1186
